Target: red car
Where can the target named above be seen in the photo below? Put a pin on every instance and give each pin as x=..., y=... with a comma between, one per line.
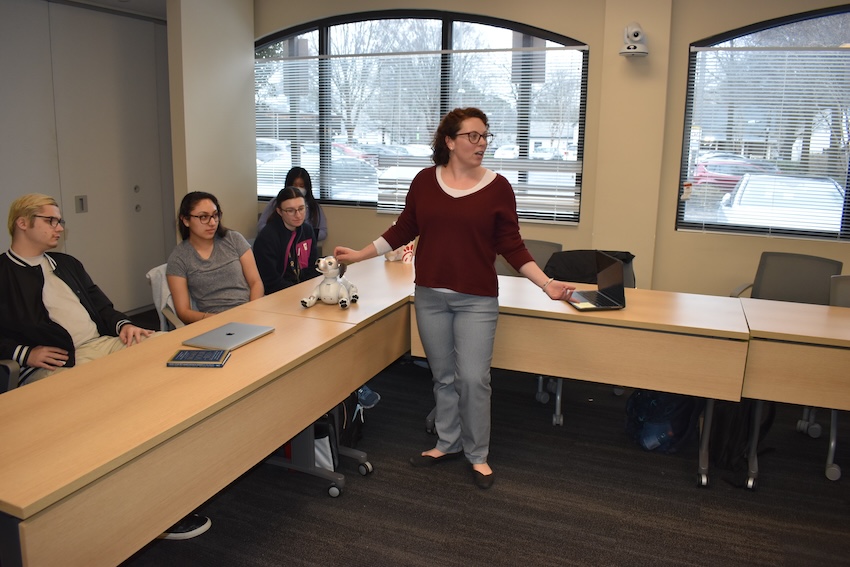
x=725, y=173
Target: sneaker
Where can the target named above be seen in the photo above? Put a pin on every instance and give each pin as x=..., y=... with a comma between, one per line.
x=191, y=526
x=367, y=397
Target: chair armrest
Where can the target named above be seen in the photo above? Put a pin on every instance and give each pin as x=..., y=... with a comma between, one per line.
x=172, y=317
x=740, y=289
x=10, y=380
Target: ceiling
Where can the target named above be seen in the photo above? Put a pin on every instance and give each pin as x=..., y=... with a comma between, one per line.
x=150, y=8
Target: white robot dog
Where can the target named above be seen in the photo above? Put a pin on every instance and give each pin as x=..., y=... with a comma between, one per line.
x=334, y=288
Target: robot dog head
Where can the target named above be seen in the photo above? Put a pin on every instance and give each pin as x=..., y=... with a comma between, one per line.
x=329, y=267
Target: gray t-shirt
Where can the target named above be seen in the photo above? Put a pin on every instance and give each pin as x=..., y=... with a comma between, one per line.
x=216, y=284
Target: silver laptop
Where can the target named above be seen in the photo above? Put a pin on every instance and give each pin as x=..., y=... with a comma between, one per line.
x=611, y=292
x=229, y=336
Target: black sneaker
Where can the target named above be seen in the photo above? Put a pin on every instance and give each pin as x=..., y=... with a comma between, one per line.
x=187, y=528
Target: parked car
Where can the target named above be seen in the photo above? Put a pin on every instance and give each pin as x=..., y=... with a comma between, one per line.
x=546, y=153
x=570, y=152
x=269, y=149
x=509, y=151
x=388, y=150
x=725, y=172
x=348, y=175
x=784, y=201
x=422, y=150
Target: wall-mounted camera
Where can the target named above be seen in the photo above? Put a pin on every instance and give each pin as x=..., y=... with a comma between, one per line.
x=634, y=41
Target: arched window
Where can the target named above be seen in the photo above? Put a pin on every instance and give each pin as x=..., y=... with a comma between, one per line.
x=766, y=131
x=356, y=102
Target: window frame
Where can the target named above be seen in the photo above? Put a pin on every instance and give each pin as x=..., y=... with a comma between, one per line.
x=560, y=215
x=688, y=163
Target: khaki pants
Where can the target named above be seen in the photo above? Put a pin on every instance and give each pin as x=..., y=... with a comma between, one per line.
x=91, y=350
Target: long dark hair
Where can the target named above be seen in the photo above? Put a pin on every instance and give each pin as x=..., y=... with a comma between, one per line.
x=450, y=126
x=312, y=205
x=188, y=203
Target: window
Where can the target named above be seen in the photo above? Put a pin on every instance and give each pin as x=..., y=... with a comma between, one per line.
x=766, y=139
x=356, y=103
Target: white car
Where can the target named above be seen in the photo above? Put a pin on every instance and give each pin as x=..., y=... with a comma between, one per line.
x=509, y=151
x=784, y=202
x=546, y=153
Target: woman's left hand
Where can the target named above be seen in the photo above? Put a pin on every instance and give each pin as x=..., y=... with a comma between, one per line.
x=559, y=290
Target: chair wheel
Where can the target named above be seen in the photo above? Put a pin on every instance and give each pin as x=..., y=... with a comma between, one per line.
x=365, y=468
x=542, y=397
x=702, y=480
x=334, y=491
x=833, y=472
x=814, y=430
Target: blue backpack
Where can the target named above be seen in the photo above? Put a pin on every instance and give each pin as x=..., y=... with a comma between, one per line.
x=662, y=422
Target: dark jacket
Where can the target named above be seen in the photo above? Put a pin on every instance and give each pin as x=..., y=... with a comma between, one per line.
x=285, y=257
x=24, y=321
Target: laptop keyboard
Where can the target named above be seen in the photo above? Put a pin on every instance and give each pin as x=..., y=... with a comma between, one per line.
x=598, y=299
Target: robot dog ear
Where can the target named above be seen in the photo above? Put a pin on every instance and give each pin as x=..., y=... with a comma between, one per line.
x=342, y=268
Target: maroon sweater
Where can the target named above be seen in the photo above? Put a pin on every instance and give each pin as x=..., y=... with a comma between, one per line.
x=459, y=238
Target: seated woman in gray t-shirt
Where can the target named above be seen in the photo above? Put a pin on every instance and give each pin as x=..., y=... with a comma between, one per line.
x=213, y=266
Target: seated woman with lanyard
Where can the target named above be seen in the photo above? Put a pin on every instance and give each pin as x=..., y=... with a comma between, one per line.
x=286, y=249
x=213, y=265
x=300, y=177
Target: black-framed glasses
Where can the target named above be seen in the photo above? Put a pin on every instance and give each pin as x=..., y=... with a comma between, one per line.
x=292, y=212
x=205, y=218
x=475, y=137
x=52, y=220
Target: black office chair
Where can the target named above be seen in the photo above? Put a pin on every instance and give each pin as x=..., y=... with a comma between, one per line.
x=798, y=278
x=541, y=251
x=577, y=266
x=839, y=296
x=9, y=373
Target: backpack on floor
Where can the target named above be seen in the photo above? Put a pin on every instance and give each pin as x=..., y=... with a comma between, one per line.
x=351, y=421
x=731, y=428
x=342, y=426
x=662, y=422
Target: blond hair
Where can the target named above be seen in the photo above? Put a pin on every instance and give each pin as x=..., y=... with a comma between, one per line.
x=27, y=207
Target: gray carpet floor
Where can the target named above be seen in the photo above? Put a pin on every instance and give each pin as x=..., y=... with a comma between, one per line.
x=580, y=494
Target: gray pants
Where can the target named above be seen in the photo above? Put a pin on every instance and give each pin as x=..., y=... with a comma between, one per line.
x=457, y=332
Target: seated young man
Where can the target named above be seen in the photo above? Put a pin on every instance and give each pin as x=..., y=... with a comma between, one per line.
x=52, y=315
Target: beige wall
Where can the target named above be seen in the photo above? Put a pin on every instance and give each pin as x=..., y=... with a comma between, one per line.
x=211, y=78
x=634, y=131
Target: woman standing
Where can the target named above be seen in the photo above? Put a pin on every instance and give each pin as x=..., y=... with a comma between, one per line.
x=213, y=266
x=286, y=248
x=464, y=215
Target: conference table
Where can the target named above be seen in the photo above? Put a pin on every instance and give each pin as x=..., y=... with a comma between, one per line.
x=99, y=460
x=799, y=354
x=672, y=342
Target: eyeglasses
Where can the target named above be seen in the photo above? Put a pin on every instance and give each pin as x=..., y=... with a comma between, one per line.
x=292, y=212
x=475, y=137
x=205, y=218
x=52, y=220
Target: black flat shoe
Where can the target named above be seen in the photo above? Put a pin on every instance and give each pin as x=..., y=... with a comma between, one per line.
x=427, y=460
x=483, y=481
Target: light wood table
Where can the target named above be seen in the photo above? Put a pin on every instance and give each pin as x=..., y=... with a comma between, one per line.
x=671, y=342
x=381, y=285
x=98, y=460
x=799, y=354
